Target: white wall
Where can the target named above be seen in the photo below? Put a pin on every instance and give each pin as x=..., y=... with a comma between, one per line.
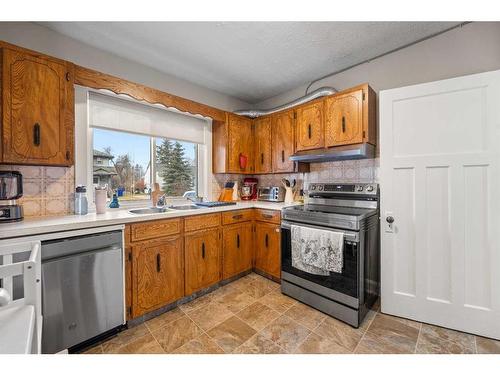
x=42, y=39
x=474, y=48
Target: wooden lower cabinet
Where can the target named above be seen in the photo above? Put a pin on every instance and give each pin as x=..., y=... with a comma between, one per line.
x=237, y=249
x=157, y=274
x=267, y=248
x=162, y=270
x=128, y=281
x=202, y=253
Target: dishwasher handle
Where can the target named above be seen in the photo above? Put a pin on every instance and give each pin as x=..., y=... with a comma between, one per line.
x=74, y=245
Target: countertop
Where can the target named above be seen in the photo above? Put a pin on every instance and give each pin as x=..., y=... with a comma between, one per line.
x=34, y=226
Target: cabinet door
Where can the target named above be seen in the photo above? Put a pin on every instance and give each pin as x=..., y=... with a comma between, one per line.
x=38, y=101
x=237, y=249
x=157, y=274
x=283, y=141
x=203, y=259
x=262, y=139
x=240, y=136
x=310, y=126
x=267, y=247
x=344, y=119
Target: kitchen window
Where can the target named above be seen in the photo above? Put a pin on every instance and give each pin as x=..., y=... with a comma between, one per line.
x=136, y=162
x=131, y=147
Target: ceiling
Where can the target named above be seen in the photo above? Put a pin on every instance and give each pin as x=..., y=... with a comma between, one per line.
x=251, y=61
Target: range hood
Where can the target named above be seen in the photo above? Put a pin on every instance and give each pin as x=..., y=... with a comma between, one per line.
x=349, y=152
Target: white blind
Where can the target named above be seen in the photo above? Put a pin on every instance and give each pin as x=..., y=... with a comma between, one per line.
x=125, y=115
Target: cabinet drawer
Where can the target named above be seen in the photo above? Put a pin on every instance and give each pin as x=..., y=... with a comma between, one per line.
x=271, y=216
x=198, y=222
x=238, y=216
x=155, y=229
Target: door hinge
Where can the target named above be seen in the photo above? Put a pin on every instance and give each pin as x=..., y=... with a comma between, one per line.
x=363, y=96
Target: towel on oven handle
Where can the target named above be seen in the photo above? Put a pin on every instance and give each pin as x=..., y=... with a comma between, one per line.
x=317, y=251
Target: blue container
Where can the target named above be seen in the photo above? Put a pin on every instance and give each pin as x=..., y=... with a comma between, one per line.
x=114, y=202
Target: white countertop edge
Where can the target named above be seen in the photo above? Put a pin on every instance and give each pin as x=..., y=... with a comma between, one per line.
x=44, y=225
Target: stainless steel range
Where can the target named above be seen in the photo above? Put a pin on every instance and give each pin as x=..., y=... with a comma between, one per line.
x=349, y=213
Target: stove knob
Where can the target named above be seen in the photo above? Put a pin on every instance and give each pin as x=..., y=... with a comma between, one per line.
x=359, y=188
x=313, y=187
x=320, y=187
x=369, y=188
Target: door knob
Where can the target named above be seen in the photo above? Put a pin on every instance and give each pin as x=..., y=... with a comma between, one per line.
x=389, y=219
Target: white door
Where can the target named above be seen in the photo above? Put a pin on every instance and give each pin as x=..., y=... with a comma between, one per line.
x=439, y=181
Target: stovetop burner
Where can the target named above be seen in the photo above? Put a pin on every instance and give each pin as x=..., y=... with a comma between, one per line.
x=344, y=206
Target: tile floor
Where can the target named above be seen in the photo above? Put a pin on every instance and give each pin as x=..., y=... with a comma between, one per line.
x=250, y=315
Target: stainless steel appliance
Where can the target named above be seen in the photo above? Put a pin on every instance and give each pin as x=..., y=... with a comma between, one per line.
x=82, y=289
x=271, y=194
x=352, y=209
x=11, y=189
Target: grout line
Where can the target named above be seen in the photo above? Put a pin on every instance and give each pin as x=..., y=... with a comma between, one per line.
x=418, y=338
x=364, y=333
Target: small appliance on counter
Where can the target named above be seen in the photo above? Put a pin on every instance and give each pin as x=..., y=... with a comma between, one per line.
x=271, y=194
x=249, y=189
x=11, y=189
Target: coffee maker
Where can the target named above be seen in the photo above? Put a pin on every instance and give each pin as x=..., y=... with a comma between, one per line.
x=11, y=189
x=249, y=189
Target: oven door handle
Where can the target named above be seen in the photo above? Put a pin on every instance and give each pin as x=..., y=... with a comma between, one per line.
x=350, y=236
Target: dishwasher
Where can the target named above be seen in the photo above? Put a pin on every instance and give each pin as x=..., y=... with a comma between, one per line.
x=82, y=289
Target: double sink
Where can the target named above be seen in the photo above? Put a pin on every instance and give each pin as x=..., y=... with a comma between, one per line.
x=158, y=210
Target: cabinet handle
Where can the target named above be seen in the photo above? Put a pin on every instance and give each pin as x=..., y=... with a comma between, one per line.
x=343, y=124
x=238, y=240
x=309, y=131
x=267, y=216
x=36, y=134
x=158, y=262
x=282, y=156
x=237, y=217
x=267, y=240
x=203, y=250
x=67, y=155
x=261, y=158
x=67, y=76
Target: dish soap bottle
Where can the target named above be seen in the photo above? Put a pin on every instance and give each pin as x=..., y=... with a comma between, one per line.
x=114, y=202
x=81, y=204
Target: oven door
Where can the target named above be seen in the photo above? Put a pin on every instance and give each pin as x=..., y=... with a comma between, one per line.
x=342, y=287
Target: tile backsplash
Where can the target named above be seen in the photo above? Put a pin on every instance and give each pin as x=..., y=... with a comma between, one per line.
x=47, y=191
x=348, y=171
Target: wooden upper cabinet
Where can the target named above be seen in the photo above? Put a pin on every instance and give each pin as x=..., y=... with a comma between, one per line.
x=240, y=144
x=237, y=249
x=309, y=126
x=282, y=126
x=351, y=117
x=262, y=142
x=158, y=268
x=267, y=248
x=344, y=119
x=37, y=109
x=202, y=253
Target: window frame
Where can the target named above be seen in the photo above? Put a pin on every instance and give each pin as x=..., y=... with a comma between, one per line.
x=84, y=136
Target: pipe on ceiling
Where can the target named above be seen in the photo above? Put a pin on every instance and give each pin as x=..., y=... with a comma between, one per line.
x=318, y=93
